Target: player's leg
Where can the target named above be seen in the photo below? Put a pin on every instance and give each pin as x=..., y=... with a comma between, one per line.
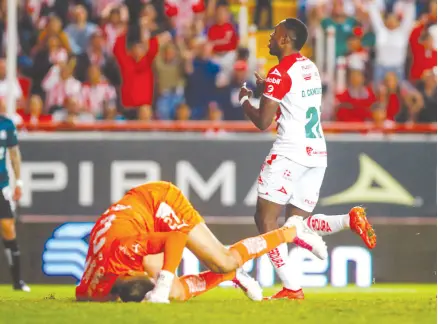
x=9, y=236
x=305, y=192
x=206, y=247
x=209, y=250
x=306, y=197
x=218, y=258
x=356, y=220
x=276, y=187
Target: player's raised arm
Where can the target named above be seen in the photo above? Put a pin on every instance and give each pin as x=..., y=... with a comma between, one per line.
x=276, y=86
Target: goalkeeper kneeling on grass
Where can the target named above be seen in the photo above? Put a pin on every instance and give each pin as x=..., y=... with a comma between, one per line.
x=156, y=219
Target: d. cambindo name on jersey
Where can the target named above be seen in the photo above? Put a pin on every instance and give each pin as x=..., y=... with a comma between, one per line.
x=311, y=92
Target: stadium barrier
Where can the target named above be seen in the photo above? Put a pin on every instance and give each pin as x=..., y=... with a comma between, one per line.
x=228, y=126
x=54, y=253
x=72, y=177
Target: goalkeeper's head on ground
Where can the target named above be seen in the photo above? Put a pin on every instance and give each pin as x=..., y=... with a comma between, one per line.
x=132, y=289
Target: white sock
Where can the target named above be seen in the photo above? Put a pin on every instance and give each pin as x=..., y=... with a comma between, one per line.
x=279, y=258
x=328, y=224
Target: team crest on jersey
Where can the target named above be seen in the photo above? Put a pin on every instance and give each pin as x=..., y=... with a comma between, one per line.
x=275, y=72
x=3, y=134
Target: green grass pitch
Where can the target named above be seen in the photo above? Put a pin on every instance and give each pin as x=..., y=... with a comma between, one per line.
x=386, y=304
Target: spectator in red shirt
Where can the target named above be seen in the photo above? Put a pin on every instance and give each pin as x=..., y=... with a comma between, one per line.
x=425, y=22
x=223, y=35
x=224, y=39
x=34, y=114
x=397, y=97
x=423, y=56
x=355, y=103
x=135, y=56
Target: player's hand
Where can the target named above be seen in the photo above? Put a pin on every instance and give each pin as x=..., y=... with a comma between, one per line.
x=153, y=297
x=259, y=79
x=17, y=193
x=260, y=82
x=244, y=91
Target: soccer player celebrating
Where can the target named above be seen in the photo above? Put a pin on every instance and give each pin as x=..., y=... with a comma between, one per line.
x=156, y=218
x=293, y=171
x=9, y=144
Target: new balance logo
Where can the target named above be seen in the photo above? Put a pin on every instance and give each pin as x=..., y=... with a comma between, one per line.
x=275, y=72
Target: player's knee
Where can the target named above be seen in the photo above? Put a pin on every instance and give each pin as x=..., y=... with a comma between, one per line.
x=226, y=264
x=7, y=229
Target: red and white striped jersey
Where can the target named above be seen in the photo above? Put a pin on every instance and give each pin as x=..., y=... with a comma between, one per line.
x=111, y=33
x=295, y=84
x=96, y=97
x=57, y=90
x=183, y=11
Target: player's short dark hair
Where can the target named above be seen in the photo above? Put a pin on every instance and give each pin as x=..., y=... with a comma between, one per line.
x=133, y=290
x=299, y=29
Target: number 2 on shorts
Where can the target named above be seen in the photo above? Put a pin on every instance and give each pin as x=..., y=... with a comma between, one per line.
x=313, y=116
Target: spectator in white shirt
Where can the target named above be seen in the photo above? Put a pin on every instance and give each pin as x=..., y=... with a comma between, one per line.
x=391, y=40
x=59, y=84
x=4, y=86
x=98, y=96
x=114, y=27
x=73, y=113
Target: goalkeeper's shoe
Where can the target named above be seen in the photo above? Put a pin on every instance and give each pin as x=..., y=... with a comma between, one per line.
x=287, y=294
x=21, y=286
x=361, y=226
x=306, y=238
x=249, y=286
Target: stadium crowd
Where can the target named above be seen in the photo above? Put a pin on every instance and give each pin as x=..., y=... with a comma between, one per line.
x=86, y=60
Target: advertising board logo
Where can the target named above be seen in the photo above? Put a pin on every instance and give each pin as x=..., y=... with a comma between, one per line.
x=65, y=252
x=373, y=185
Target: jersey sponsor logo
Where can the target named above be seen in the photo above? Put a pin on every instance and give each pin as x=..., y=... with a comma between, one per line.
x=275, y=72
x=364, y=190
x=65, y=252
x=273, y=80
x=311, y=152
x=3, y=135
